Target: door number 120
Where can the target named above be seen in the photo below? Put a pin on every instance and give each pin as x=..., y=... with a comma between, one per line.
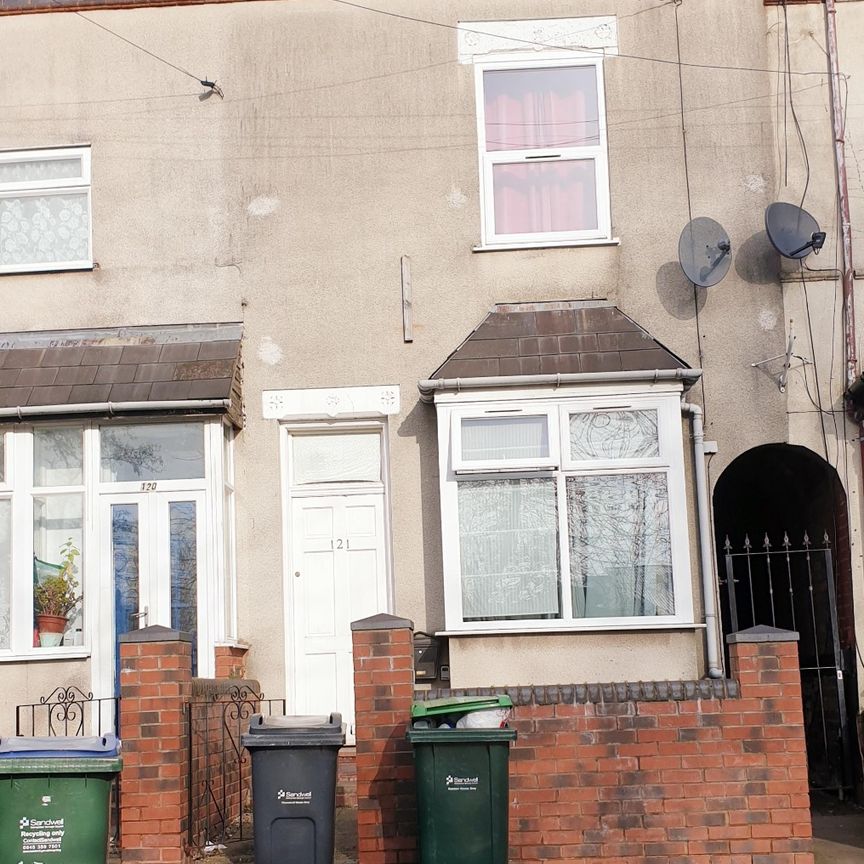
x=149, y=486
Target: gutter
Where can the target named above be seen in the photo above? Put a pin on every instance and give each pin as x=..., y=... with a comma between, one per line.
x=706, y=556
x=430, y=387
x=23, y=411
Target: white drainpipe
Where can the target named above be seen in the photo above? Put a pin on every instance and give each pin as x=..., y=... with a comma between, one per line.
x=709, y=588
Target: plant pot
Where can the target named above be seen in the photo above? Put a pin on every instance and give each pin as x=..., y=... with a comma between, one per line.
x=51, y=629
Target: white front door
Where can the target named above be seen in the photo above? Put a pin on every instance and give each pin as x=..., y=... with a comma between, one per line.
x=338, y=575
x=154, y=558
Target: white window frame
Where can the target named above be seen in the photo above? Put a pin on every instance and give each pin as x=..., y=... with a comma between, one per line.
x=461, y=465
x=598, y=153
x=216, y=575
x=561, y=402
x=43, y=188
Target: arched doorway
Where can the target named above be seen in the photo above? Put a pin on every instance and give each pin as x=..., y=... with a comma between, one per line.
x=783, y=556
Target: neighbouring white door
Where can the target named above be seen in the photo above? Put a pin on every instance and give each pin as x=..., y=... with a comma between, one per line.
x=338, y=575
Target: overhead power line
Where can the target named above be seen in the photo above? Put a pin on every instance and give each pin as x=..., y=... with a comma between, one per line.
x=579, y=49
x=211, y=85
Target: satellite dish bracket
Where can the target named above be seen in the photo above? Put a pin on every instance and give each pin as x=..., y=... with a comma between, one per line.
x=787, y=356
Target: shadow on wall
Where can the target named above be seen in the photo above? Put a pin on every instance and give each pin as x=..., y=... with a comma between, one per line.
x=676, y=292
x=757, y=261
x=420, y=424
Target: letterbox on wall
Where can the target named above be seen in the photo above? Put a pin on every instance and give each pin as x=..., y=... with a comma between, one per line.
x=425, y=657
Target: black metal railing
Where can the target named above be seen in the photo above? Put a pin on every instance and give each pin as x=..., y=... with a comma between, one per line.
x=219, y=768
x=68, y=711
x=794, y=587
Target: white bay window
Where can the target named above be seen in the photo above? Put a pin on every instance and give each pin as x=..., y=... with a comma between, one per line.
x=147, y=508
x=564, y=513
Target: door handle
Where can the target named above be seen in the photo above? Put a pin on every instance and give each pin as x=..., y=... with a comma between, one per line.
x=138, y=616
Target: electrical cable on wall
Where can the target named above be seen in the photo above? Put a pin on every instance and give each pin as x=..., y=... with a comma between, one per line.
x=212, y=86
x=579, y=49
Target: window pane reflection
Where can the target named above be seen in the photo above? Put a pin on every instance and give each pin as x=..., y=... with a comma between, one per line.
x=58, y=456
x=158, y=451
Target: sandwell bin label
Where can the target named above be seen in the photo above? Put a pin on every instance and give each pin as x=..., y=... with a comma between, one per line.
x=287, y=797
x=455, y=783
x=41, y=835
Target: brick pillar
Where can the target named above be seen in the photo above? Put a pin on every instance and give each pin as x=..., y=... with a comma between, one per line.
x=383, y=692
x=764, y=660
x=155, y=685
x=231, y=660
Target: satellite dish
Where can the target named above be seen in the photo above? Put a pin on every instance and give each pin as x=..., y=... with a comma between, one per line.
x=704, y=251
x=793, y=232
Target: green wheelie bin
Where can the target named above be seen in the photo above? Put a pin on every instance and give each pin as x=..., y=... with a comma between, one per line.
x=54, y=798
x=462, y=782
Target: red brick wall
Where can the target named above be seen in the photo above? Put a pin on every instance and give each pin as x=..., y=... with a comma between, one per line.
x=711, y=772
x=155, y=683
x=346, y=778
x=231, y=661
x=221, y=770
x=383, y=692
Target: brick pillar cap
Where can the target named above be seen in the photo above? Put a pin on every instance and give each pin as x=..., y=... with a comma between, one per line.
x=155, y=633
x=382, y=622
x=762, y=633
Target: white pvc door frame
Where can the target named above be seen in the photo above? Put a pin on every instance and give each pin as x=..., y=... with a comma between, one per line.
x=154, y=571
x=332, y=490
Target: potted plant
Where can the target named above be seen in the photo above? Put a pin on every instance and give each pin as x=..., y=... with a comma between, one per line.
x=55, y=596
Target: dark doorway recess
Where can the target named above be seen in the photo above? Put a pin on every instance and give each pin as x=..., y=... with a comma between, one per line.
x=782, y=534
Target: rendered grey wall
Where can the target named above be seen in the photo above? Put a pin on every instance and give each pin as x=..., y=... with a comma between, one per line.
x=347, y=139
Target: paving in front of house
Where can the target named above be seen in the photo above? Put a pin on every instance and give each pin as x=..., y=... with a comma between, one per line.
x=838, y=830
x=346, y=843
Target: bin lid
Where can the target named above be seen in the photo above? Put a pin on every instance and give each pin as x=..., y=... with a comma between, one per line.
x=459, y=705
x=59, y=747
x=295, y=731
x=463, y=736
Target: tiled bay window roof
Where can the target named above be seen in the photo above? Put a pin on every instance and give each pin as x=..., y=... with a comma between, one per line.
x=111, y=369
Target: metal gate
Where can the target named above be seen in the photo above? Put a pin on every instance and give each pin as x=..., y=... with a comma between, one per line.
x=794, y=588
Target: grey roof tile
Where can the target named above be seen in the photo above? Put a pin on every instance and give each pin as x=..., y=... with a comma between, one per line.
x=653, y=358
x=37, y=377
x=216, y=388
x=115, y=374
x=129, y=392
x=49, y=396
x=601, y=361
x=176, y=352
x=65, y=356
x=563, y=364
x=76, y=375
x=218, y=350
x=102, y=355
x=558, y=321
x=141, y=354
x=155, y=372
x=90, y=393
x=12, y=397
x=23, y=358
x=203, y=369
x=170, y=390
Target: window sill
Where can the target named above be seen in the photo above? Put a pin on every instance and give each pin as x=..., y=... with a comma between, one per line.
x=522, y=630
x=562, y=244
x=72, y=653
x=43, y=270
